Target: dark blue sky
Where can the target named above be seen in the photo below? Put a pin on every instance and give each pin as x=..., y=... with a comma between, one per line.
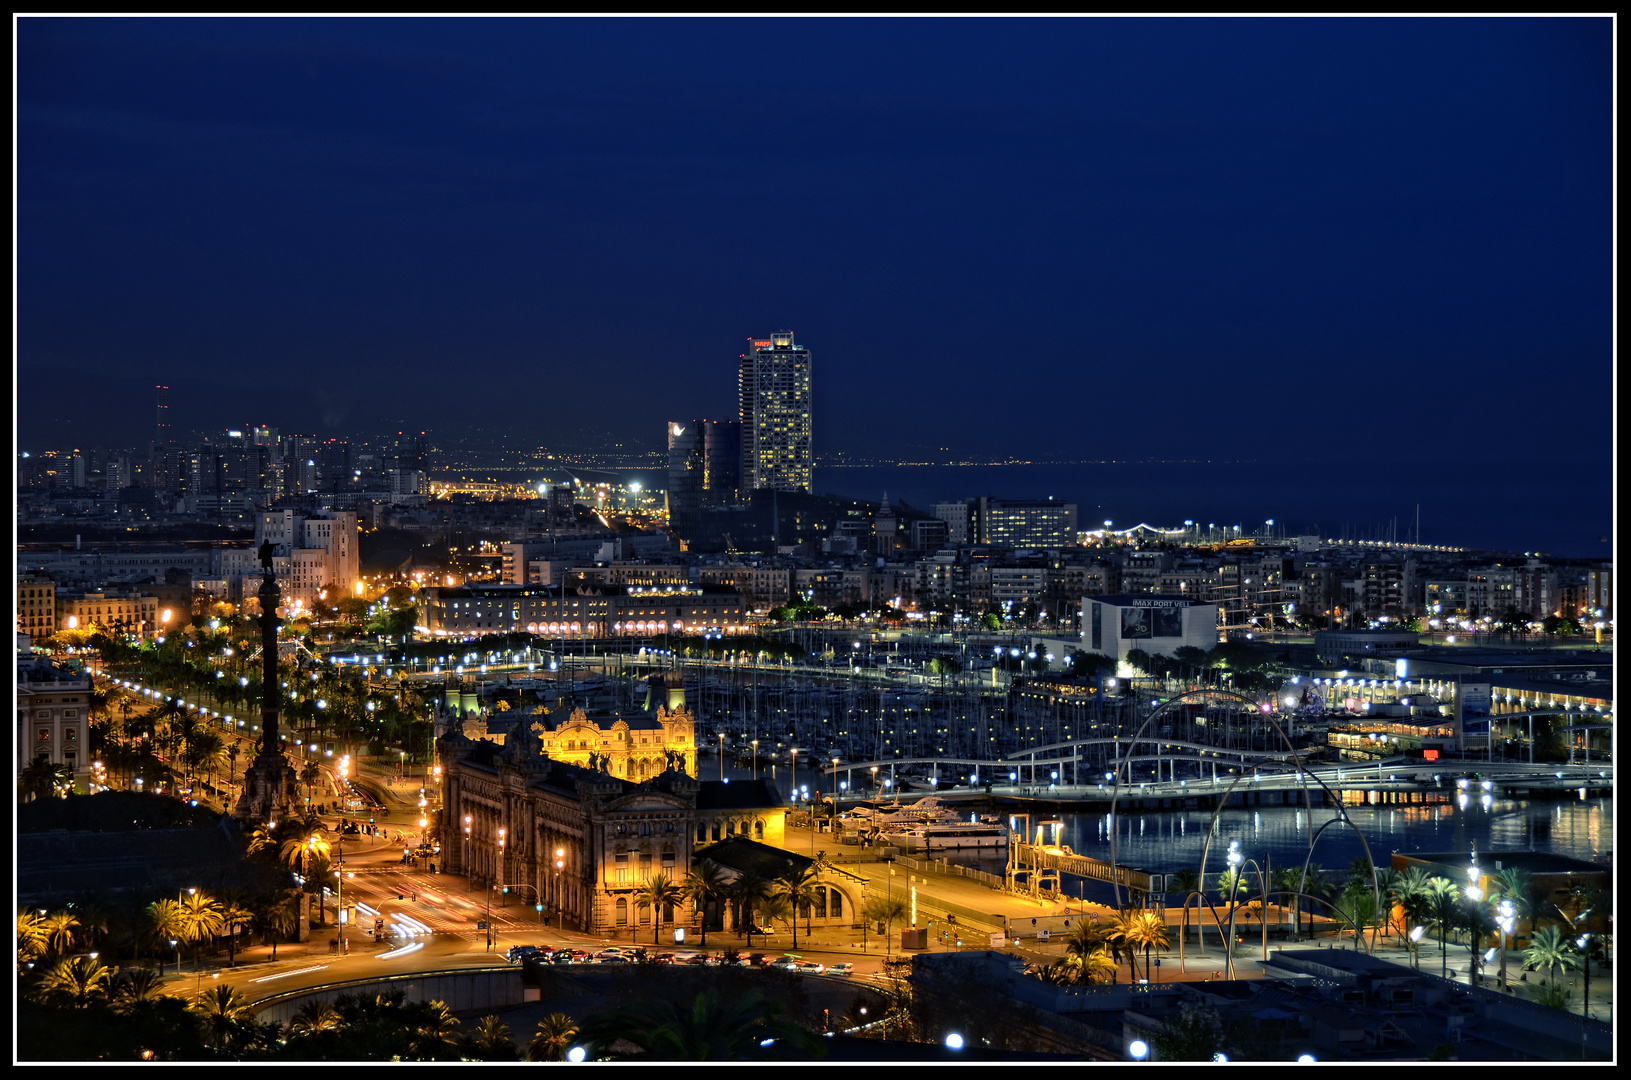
x=1363, y=239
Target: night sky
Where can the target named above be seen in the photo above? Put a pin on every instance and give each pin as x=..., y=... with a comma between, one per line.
x=1365, y=239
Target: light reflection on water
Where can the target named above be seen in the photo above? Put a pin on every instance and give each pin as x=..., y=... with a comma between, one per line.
x=1171, y=840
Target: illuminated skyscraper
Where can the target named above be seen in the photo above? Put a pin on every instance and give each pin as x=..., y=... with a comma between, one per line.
x=774, y=388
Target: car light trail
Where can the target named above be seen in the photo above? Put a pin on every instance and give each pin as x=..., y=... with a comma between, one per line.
x=405, y=950
x=286, y=974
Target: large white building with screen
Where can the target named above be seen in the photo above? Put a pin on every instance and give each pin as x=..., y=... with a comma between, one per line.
x=1115, y=625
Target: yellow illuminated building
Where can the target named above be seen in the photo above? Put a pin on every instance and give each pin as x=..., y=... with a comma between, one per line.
x=632, y=746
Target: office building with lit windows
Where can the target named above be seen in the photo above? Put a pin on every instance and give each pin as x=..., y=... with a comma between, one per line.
x=773, y=383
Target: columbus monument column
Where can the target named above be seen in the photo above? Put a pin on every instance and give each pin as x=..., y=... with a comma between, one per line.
x=271, y=787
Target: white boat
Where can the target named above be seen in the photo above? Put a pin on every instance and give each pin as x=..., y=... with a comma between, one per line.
x=932, y=836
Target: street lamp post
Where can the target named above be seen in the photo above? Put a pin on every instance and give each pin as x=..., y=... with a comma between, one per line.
x=339, y=897
x=500, y=871
x=1507, y=922
x=465, y=854
x=755, y=744
x=1583, y=943
x=560, y=864
x=1474, y=894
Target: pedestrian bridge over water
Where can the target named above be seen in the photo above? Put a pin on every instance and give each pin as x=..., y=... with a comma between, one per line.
x=1268, y=773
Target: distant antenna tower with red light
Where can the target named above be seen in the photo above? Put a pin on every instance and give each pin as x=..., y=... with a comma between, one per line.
x=162, y=435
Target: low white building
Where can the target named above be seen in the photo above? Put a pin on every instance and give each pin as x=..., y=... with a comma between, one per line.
x=1116, y=625
x=53, y=712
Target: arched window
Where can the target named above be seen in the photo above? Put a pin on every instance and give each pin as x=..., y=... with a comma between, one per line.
x=622, y=911
x=835, y=903
x=759, y=829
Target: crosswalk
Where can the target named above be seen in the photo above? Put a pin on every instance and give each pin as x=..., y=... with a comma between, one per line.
x=425, y=899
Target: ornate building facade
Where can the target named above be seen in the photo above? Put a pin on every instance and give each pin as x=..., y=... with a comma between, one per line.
x=632, y=746
x=571, y=834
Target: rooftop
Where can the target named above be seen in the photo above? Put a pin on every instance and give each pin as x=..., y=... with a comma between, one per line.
x=740, y=795
x=744, y=856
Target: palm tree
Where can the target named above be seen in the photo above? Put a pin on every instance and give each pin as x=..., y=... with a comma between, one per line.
x=222, y=1008
x=745, y=1029
x=315, y=1016
x=1093, y=967
x=76, y=980
x=490, y=1041
x=59, y=929
x=553, y=1038
x=704, y=884
x=134, y=985
x=1085, y=939
x=94, y=921
x=40, y=778
x=798, y=885
x=1520, y=889
x=236, y=914
x=1118, y=936
x=660, y=894
x=201, y=919
x=747, y=891
x=1358, y=903
x=304, y=851
x=261, y=839
x=1387, y=880
x=1479, y=924
x=1149, y=932
x=777, y=906
x=1410, y=893
x=1058, y=973
x=1549, y=949
x=310, y=773
x=1317, y=883
x=31, y=934
x=165, y=923
x=1284, y=879
x=211, y=754
x=1442, y=894
x=435, y=1029
x=885, y=908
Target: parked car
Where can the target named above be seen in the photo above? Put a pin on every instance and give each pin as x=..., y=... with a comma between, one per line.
x=845, y=968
